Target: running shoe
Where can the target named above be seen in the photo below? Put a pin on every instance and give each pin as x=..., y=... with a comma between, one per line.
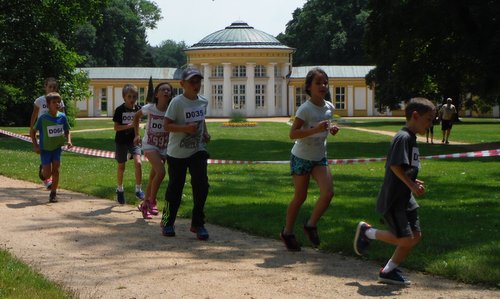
x=153, y=209
x=361, y=241
x=144, y=208
x=47, y=183
x=290, y=242
x=139, y=194
x=312, y=234
x=53, y=196
x=120, y=197
x=201, y=232
x=167, y=230
x=393, y=277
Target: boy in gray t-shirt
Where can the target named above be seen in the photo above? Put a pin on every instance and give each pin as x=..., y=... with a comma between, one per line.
x=185, y=120
x=396, y=201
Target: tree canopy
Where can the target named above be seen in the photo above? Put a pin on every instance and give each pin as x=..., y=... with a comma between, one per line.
x=438, y=49
x=327, y=32
x=34, y=38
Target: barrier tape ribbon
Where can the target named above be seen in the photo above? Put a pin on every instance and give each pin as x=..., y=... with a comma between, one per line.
x=111, y=155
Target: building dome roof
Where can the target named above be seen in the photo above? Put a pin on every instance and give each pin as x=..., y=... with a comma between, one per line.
x=238, y=35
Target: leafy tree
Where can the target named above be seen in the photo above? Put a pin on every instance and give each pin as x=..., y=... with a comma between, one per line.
x=169, y=54
x=327, y=32
x=438, y=49
x=119, y=38
x=33, y=38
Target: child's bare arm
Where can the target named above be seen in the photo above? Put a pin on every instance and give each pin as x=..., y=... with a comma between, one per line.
x=68, y=138
x=170, y=126
x=416, y=187
x=36, y=147
x=296, y=131
x=137, y=119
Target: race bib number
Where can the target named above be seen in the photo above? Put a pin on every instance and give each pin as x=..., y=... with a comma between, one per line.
x=160, y=141
x=155, y=124
x=415, y=157
x=127, y=117
x=194, y=114
x=55, y=131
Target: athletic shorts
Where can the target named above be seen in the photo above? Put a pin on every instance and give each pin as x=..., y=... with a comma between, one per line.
x=122, y=151
x=300, y=166
x=48, y=156
x=403, y=223
x=151, y=148
x=446, y=124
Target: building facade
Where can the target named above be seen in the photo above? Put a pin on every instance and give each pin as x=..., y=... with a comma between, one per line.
x=246, y=71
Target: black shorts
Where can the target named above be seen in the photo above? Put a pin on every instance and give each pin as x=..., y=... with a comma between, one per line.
x=446, y=124
x=122, y=151
x=403, y=223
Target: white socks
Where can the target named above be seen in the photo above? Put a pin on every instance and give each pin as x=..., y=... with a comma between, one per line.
x=370, y=233
x=119, y=188
x=138, y=188
x=390, y=266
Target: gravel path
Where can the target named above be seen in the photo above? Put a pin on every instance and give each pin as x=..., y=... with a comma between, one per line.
x=98, y=249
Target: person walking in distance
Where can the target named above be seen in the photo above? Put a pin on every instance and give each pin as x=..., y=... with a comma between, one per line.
x=447, y=114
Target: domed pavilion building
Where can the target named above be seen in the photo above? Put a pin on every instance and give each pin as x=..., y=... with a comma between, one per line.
x=246, y=71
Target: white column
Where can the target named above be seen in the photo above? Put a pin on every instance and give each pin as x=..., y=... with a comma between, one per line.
x=110, y=101
x=350, y=101
x=207, y=86
x=369, y=97
x=250, y=90
x=284, y=72
x=291, y=100
x=91, y=101
x=226, y=89
x=271, y=109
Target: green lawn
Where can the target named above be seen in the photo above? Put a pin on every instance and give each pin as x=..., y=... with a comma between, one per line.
x=458, y=213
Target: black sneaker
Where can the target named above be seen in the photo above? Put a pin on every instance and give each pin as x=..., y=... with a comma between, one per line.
x=201, y=232
x=312, y=234
x=120, y=197
x=393, y=277
x=290, y=242
x=40, y=173
x=53, y=196
x=361, y=241
x=167, y=230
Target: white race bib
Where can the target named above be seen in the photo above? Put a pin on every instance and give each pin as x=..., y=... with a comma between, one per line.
x=55, y=131
x=127, y=117
x=155, y=125
x=415, y=157
x=194, y=114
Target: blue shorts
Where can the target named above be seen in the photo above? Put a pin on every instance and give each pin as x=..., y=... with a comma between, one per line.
x=300, y=166
x=48, y=157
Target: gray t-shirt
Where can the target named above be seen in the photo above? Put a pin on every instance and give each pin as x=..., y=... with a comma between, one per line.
x=181, y=111
x=394, y=194
x=312, y=148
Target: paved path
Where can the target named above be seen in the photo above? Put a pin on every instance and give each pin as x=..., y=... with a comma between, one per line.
x=99, y=249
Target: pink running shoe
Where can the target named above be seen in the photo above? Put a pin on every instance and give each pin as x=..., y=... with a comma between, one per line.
x=47, y=183
x=153, y=209
x=144, y=208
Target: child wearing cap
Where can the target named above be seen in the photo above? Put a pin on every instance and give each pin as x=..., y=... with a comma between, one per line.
x=53, y=130
x=185, y=121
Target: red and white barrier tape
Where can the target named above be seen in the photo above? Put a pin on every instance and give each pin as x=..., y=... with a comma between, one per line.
x=111, y=155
